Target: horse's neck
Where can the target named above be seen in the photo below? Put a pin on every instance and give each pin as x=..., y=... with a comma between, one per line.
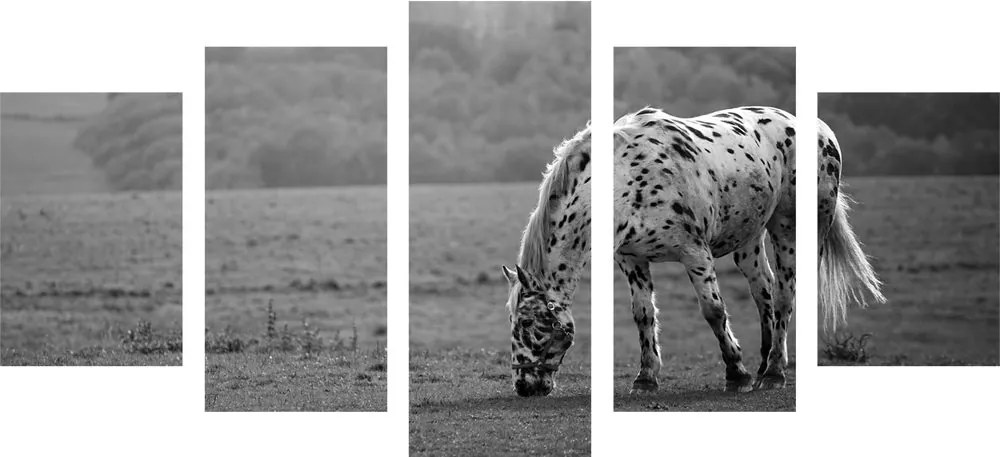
x=568, y=243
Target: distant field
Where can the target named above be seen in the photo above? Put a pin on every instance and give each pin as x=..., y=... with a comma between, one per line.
x=934, y=242
x=319, y=257
x=53, y=104
x=462, y=402
x=38, y=158
x=80, y=271
x=38, y=155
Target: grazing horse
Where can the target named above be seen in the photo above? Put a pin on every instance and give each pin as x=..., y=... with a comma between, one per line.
x=844, y=272
x=692, y=190
x=555, y=250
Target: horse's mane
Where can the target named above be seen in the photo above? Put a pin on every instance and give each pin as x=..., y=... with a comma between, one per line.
x=555, y=184
x=624, y=126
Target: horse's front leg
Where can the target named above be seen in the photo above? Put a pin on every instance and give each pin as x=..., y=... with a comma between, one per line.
x=783, y=241
x=701, y=271
x=640, y=285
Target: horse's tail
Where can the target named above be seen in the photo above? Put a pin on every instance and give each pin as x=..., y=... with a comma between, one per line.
x=844, y=272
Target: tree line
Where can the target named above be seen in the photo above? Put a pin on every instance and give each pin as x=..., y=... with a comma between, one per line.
x=295, y=117
x=136, y=140
x=494, y=87
x=274, y=117
x=489, y=100
x=915, y=133
x=689, y=82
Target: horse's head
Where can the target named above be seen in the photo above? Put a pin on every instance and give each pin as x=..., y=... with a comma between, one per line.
x=541, y=330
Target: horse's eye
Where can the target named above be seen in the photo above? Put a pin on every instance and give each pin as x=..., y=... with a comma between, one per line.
x=557, y=325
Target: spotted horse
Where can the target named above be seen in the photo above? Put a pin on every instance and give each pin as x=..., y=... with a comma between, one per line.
x=691, y=190
x=554, y=252
x=845, y=274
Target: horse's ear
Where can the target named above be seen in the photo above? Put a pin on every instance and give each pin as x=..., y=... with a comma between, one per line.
x=527, y=281
x=511, y=275
x=620, y=139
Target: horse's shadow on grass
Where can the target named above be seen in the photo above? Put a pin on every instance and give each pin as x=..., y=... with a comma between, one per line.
x=705, y=399
x=680, y=399
x=554, y=403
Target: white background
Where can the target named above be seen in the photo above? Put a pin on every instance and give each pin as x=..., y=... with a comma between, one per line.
x=102, y=46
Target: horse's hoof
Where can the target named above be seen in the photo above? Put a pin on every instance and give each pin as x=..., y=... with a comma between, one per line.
x=644, y=385
x=738, y=386
x=770, y=382
x=742, y=383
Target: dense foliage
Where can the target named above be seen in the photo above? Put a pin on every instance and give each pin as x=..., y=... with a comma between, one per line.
x=295, y=117
x=494, y=87
x=694, y=81
x=136, y=140
x=915, y=134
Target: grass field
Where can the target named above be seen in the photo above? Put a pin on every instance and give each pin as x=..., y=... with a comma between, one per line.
x=318, y=257
x=934, y=242
x=693, y=375
x=462, y=402
x=80, y=267
x=81, y=271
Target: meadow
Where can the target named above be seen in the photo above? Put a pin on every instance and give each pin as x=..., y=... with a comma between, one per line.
x=461, y=398
x=92, y=279
x=296, y=300
x=934, y=243
x=87, y=277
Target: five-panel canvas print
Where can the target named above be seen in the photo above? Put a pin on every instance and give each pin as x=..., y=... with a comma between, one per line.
x=704, y=217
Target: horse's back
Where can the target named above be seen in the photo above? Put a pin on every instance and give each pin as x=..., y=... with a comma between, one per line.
x=715, y=180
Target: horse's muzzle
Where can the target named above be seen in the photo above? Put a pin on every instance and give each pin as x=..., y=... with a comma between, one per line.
x=540, y=388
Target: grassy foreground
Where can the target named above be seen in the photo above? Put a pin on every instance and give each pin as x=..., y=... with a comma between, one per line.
x=453, y=389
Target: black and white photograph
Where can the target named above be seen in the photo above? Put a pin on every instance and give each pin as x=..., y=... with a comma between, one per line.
x=908, y=229
x=499, y=228
x=91, y=229
x=295, y=262
x=704, y=237
x=391, y=234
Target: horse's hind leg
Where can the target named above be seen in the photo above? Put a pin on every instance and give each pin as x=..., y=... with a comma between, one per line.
x=752, y=262
x=640, y=284
x=782, y=230
x=701, y=271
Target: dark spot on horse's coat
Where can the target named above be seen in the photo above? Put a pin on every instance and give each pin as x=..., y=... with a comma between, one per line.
x=684, y=150
x=584, y=160
x=697, y=133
